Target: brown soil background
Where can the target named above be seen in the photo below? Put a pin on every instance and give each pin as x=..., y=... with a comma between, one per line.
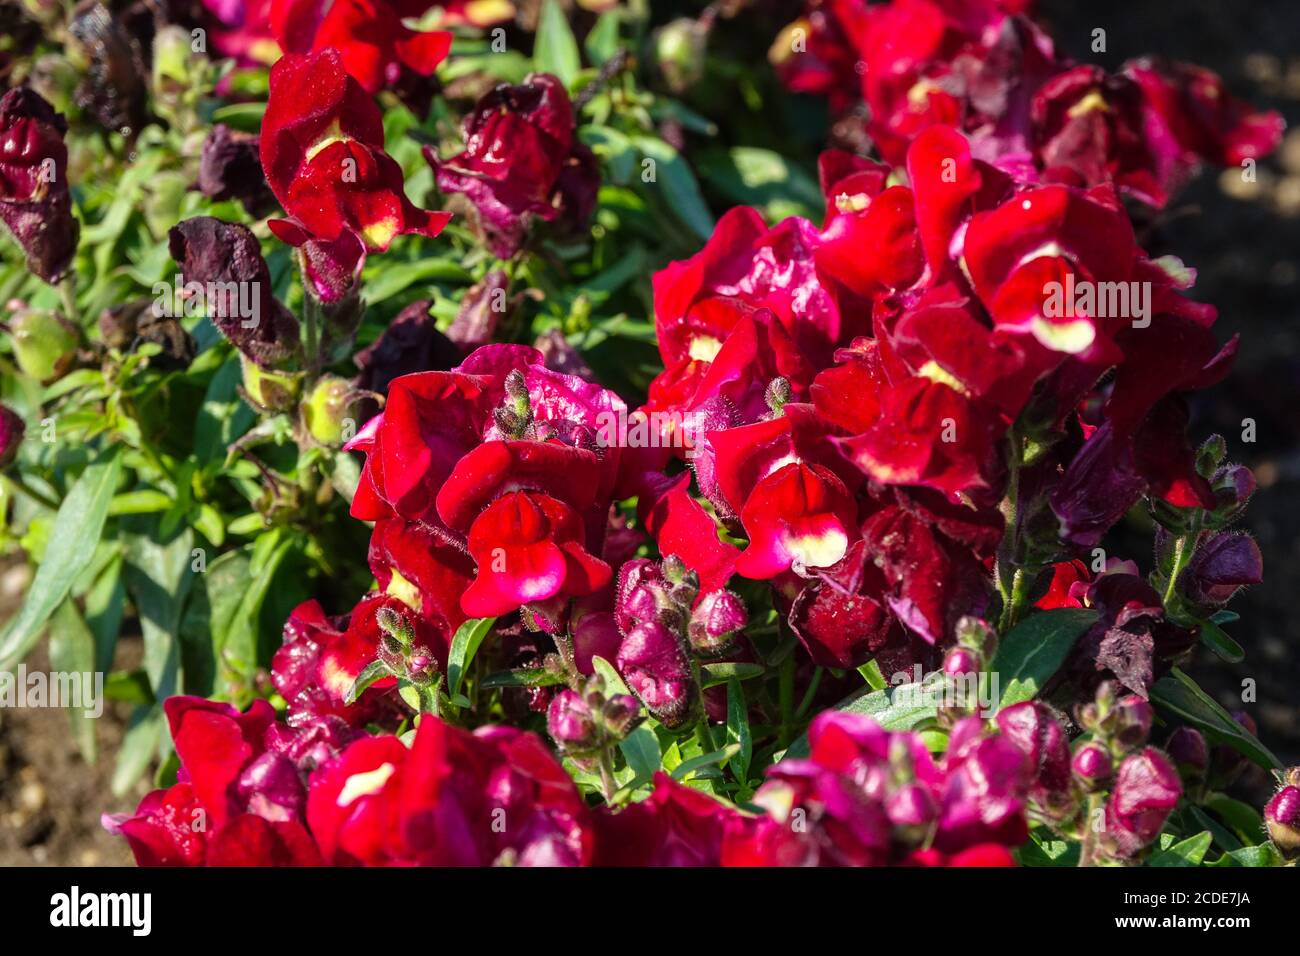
x=1243, y=238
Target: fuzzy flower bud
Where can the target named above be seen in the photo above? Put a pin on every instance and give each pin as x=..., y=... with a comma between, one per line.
x=716, y=620
x=1282, y=817
x=1092, y=767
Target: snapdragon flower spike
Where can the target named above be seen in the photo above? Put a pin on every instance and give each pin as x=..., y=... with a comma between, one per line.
x=374, y=44
x=322, y=148
x=35, y=201
x=800, y=516
x=529, y=548
x=1146, y=791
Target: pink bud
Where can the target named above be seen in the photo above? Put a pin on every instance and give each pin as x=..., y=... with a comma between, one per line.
x=1189, y=751
x=960, y=660
x=570, y=724
x=715, y=621
x=1092, y=766
x=1133, y=717
x=1282, y=816
x=1146, y=791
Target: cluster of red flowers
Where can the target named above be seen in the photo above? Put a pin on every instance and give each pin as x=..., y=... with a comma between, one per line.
x=984, y=67
x=857, y=401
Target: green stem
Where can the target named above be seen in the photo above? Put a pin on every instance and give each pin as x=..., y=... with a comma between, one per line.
x=68, y=296
x=1182, y=554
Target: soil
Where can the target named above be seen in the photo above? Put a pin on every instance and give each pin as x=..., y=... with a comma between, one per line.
x=1244, y=238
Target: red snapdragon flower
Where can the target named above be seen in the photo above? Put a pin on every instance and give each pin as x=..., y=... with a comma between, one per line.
x=322, y=148
x=373, y=43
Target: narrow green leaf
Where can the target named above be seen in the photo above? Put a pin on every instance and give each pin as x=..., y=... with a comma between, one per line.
x=555, y=50
x=721, y=673
x=158, y=578
x=904, y=707
x=1244, y=819
x=72, y=652
x=1035, y=649
x=140, y=745
x=77, y=526
x=1189, y=852
x=641, y=750
x=522, y=677
x=1213, y=637
x=1262, y=855
x=374, y=671
x=1179, y=695
x=602, y=42
x=463, y=648
x=681, y=189
x=613, y=680
x=687, y=767
x=738, y=732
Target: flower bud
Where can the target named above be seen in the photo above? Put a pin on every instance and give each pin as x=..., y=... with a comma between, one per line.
x=1210, y=455
x=680, y=51
x=978, y=635
x=328, y=407
x=12, y=429
x=959, y=661
x=1133, y=717
x=1282, y=817
x=1223, y=563
x=620, y=714
x=640, y=583
x=1092, y=767
x=1146, y=791
x=654, y=664
x=778, y=394
x=1190, y=752
x=270, y=390
x=44, y=343
x=570, y=724
x=714, y=623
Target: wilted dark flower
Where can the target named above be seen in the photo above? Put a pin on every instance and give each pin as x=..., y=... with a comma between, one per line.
x=224, y=259
x=34, y=199
x=114, y=89
x=411, y=343
x=1222, y=565
x=230, y=168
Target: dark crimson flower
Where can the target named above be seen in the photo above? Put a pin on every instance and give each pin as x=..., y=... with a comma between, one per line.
x=529, y=549
x=35, y=202
x=423, y=569
x=1282, y=817
x=841, y=616
x=322, y=147
x=410, y=344
x=224, y=258
x=1190, y=106
x=674, y=826
x=1222, y=564
x=455, y=798
x=1146, y=791
x=373, y=43
x=12, y=429
x=230, y=167
x=522, y=162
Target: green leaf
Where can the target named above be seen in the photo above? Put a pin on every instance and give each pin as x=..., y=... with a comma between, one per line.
x=77, y=526
x=765, y=179
x=602, y=42
x=1262, y=855
x=555, y=50
x=157, y=574
x=522, y=677
x=904, y=707
x=641, y=750
x=463, y=648
x=144, y=501
x=375, y=670
x=687, y=767
x=1035, y=649
x=140, y=745
x=1244, y=819
x=1189, y=852
x=721, y=673
x=1179, y=695
x=738, y=730
x=613, y=680
x=682, y=191
x=1213, y=637
x=72, y=652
